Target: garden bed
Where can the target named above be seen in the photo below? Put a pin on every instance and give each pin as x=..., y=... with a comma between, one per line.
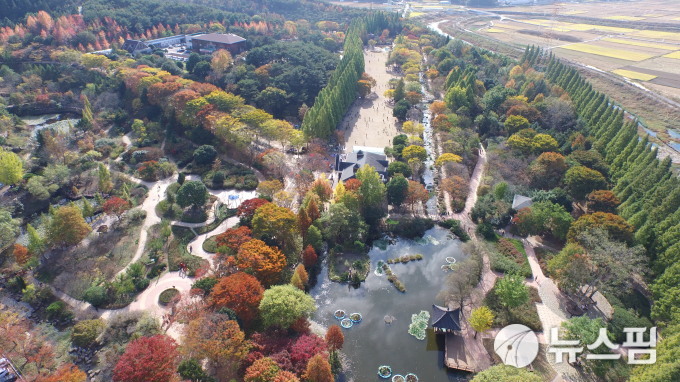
x=348, y=267
x=508, y=256
x=525, y=314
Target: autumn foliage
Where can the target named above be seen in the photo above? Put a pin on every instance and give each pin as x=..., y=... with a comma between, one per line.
x=219, y=340
x=334, y=338
x=319, y=370
x=300, y=277
x=116, y=206
x=68, y=372
x=264, y=261
x=239, y=292
x=309, y=257
x=20, y=253
x=247, y=209
x=262, y=370
x=304, y=348
x=147, y=359
x=233, y=238
x=603, y=201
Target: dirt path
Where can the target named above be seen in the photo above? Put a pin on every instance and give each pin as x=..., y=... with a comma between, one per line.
x=156, y=194
x=369, y=122
x=475, y=181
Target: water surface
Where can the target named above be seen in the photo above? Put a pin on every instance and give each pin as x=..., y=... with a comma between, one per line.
x=372, y=342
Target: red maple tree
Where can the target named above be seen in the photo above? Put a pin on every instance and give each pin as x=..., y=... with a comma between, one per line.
x=147, y=359
x=239, y=292
x=247, y=209
x=116, y=206
x=233, y=238
x=304, y=348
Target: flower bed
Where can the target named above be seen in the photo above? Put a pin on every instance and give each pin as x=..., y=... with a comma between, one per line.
x=339, y=314
x=384, y=371
x=346, y=323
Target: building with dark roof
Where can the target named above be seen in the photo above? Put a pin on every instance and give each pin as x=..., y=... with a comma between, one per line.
x=211, y=42
x=445, y=320
x=136, y=46
x=347, y=167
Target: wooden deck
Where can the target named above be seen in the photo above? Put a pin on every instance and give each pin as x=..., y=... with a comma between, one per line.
x=464, y=352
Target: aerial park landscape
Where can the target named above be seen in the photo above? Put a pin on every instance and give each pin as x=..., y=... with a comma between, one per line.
x=281, y=190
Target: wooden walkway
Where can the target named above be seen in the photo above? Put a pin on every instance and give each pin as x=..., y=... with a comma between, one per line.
x=464, y=352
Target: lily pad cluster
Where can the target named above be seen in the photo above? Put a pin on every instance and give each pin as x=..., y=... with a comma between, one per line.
x=418, y=325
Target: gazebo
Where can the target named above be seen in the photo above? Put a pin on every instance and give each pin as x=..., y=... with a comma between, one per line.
x=445, y=320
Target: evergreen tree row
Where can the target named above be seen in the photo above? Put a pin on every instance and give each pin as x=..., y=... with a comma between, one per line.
x=335, y=99
x=649, y=192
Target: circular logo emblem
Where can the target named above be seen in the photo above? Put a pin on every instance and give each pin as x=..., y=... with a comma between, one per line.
x=517, y=345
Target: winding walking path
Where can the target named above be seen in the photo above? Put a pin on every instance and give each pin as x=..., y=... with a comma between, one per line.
x=147, y=300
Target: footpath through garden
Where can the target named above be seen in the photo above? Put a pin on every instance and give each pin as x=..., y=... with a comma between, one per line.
x=147, y=300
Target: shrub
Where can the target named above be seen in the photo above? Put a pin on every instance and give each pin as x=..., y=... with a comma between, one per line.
x=95, y=295
x=85, y=332
x=486, y=230
x=167, y=296
x=455, y=227
x=58, y=311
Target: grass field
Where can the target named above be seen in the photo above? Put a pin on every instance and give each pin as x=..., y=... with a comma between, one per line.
x=634, y=75
x=641, y=43
x=607, y=52
x=673, y=55
x=495, y=30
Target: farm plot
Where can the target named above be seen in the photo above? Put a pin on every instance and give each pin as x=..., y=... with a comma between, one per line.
x=620, y=54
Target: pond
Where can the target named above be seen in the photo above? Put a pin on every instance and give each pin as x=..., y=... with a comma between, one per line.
x=59, y=122
x=372, y=342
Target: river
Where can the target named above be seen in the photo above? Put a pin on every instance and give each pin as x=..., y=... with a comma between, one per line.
x=372, y=343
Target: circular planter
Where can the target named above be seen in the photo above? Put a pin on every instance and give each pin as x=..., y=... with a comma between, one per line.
x=355, y=317
x=410, y=377
x=346, y=323
x=384, y=371
x=167, y=296
x=451, y=260
x=339, y=314
x=398, y=378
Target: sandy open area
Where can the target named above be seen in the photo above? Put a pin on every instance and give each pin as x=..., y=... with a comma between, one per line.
x=369, y=122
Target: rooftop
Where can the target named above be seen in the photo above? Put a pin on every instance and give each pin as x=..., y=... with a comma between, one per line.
x=228, y=38
x=353, y=161
x=443, y=318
